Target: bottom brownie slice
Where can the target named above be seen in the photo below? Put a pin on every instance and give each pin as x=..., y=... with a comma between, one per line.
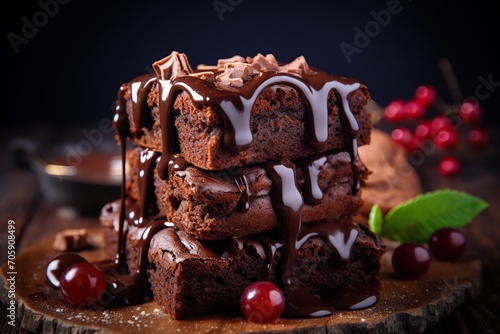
x=190, y=277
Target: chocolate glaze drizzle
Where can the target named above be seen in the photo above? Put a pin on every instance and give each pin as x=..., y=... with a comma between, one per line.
x=234, y=107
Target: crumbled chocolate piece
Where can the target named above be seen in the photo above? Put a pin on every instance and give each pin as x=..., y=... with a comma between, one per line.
x=221, y=63
x=237, y=70
x=71, y=240
x=261, y=63
x=298, y=66
x=174, y=65
x=235, y=74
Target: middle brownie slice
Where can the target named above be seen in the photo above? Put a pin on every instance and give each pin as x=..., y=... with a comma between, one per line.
x=218, y=205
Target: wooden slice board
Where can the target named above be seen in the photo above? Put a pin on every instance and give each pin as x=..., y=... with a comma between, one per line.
x=405, y=305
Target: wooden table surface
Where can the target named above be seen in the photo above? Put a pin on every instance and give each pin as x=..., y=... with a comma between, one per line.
x=36, y=218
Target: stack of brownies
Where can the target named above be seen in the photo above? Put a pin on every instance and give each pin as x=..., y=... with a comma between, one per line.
x=241, y=172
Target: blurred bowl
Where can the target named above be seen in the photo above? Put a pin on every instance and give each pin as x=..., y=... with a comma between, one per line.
x=82, y=182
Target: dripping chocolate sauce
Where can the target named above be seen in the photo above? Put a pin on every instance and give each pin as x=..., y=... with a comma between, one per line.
x=235, y=109
x=122, y=128
x=139, y=89
x=148, y=206
x=133, y=287
x=340, y=235
x=288, y=204
x=242, y=184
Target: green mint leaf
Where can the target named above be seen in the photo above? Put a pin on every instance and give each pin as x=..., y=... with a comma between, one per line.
x=416, y=219
x=376, y=219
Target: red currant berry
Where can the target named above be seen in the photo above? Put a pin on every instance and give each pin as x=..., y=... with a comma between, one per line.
x=414, y=110
x=423, y=130
x=58, y=265
x=470, y=111
x=447, y=244
x=425, y=95
x=83, y=284
x=446, y=138
x=411, y=260
x=413, y=145
x=394, y=112
x=262, y=302
x=449, y=166
x=402, y=135
x=478, y=137
x=439, y=123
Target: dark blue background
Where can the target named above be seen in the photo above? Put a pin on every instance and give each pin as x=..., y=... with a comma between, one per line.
x=71, y=69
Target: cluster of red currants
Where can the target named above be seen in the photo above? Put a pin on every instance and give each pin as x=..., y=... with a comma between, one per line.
x=411, y=260
x=440, y=130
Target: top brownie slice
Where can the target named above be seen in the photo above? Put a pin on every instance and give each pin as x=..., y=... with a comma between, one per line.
x=241, y=112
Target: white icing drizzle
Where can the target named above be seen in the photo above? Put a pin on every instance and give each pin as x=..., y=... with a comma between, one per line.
x=317, y=99
x=314, y=169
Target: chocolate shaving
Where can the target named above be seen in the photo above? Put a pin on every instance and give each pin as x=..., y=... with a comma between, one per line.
x=235, y=74
x=298, y=66
x=221, y=63
x=205, y=75
x=174, y=65
x=261, y=63
x=229, y=72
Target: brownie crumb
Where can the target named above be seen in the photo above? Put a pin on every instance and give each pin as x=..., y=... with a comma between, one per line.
x=71, y=240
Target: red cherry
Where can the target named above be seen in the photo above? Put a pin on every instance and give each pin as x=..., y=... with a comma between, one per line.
x=447, y=244
x=414, y=110
x=449, y=166
x=402, y=135
x=394, y=111
x=58, y=265
x=478, y=137
x=425, y=95
x=470, y=111
x=411, y=260
x=262, y=302
x=446, y=138
x=83, y=284
x=423, y=130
